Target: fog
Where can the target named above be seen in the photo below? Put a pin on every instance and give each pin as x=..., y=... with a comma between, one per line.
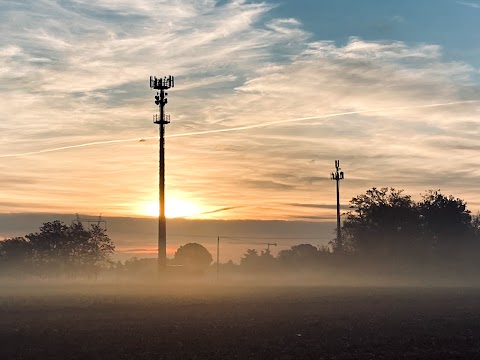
x=176, y=283
x=247, y=315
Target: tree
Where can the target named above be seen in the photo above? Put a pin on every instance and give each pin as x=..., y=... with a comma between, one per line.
x=264, y=261
x=50, y=247
x=250, y=258
x=58, y=249
x=97, y=250
x=447, y=224
x=383, y=222
x=476, y=226
x=299, y=255
x=15, y=255
x=194, y=257
x=389, y=225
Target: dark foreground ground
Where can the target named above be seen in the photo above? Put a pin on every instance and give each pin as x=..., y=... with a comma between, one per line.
x=145, y=322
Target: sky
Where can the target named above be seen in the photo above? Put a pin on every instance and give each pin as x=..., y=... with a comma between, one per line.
x=267, y=96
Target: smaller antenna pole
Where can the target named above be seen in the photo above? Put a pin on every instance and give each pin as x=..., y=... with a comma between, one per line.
x=218, y=257
x=337, y=176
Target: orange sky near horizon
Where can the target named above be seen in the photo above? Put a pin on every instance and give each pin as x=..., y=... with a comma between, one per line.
x=260, y=111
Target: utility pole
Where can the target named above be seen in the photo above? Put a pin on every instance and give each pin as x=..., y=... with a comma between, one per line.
x=161, y=85
x=218, y=257
x=337, y=176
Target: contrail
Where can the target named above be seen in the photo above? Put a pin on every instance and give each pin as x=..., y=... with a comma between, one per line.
x=240, y=128
x=75, y=146
x=272, y=123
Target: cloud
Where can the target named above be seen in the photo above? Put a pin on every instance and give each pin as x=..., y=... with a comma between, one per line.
x=267, y=185
x=219, y=210
x=240, y=128
x=265, y=98
x=469, y=4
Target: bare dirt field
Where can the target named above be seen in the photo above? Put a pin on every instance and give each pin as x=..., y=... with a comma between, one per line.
x=225, y=322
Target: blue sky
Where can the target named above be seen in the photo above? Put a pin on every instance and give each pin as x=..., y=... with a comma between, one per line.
x=448, y=23
x=267, y=96
x=444, y=22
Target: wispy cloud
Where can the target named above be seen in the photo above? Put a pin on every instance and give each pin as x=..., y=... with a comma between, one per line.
x=240, y=128
x=219, y=210
x=469, y=4
x=256, y=100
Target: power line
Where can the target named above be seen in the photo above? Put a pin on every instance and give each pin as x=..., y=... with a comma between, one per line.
x=257, y=243
x=193, y=236
x=246, y=237
x=100, y=222
x=269, y=238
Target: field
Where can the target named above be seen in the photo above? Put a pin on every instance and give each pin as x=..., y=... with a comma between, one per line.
x=224, y=322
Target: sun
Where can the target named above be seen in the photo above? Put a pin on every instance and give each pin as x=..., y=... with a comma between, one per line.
x=174, y=208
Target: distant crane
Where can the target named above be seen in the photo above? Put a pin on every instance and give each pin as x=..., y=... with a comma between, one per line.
x=238, y=243
x=268, y=246
x=251, y=243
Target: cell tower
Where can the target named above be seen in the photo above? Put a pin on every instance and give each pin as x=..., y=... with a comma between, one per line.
x=337, y=176
x=161, y=85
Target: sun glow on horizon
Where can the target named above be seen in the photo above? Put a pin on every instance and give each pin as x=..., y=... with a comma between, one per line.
x=174, y=208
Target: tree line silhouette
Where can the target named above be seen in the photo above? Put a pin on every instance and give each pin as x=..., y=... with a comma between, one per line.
x=385, y=230
x=57, y=249
x=388, y=223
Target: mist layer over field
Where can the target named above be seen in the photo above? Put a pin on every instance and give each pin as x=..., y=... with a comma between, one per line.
x=154, y=320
